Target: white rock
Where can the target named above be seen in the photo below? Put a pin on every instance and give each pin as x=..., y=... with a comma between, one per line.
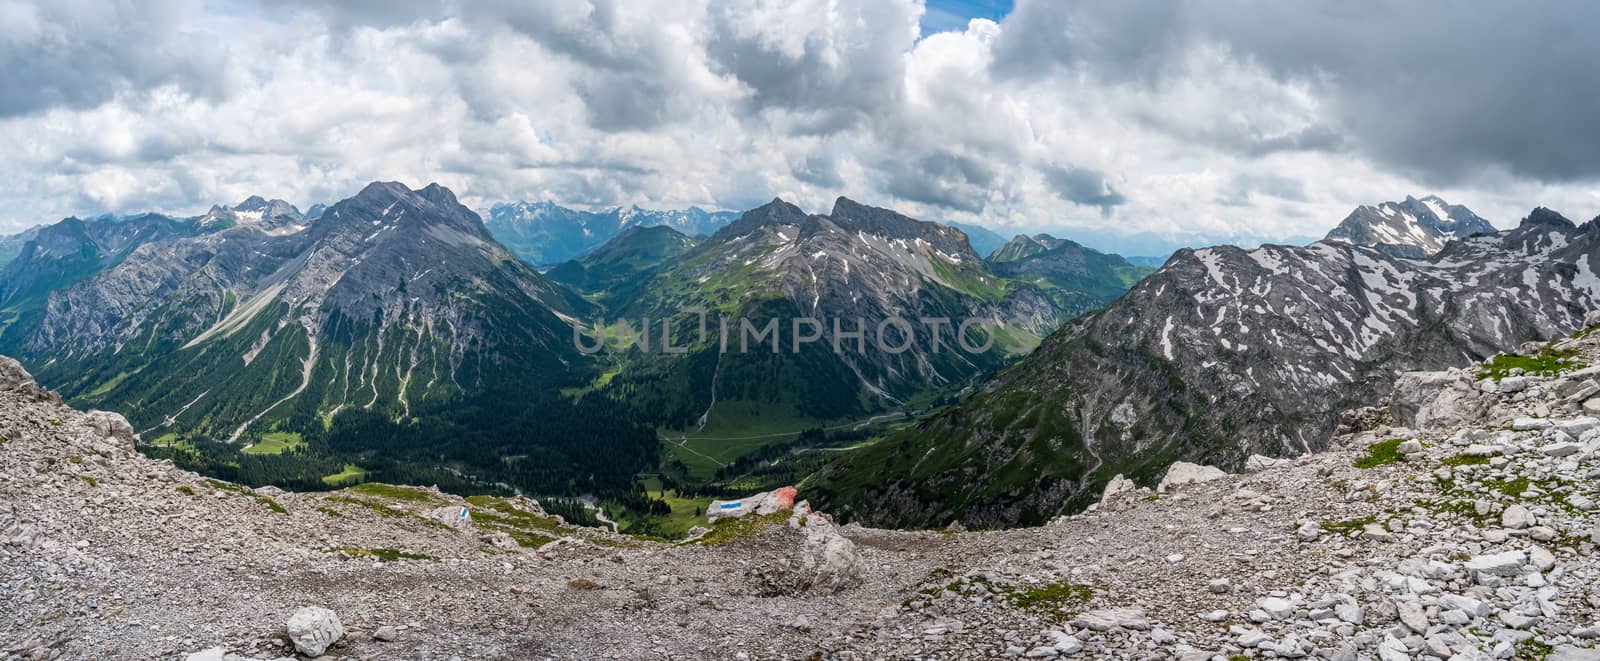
x=1278, y=608
x=1561, y=449
x=1516, y=517
x=1517, y=620
x=1350, y=612
x=1257, y=463
x=1215, y=616
x=1393, y=650
x=1542, y=533
x=1117, y=486
x=1467, y=605
x=111, y=425
x=1571, y=653
x=1577, y=426
x=1111, y=618
x=454, y=516
x=1530, y=424
x=313, y=629
x=1508, y=563
x=1513, y=384
x=1413, y=616
x=1183, y=472
x=1066, y=644
x=213, y=654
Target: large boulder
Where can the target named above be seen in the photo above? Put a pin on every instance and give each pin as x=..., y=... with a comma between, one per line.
x=313, y=629
x=454, y=516
x=1592, y=320
x=808, y=556
x=1437, y=400
x=1183, y=472
x=1117, y=486
x=107, y=424
x=13, y=376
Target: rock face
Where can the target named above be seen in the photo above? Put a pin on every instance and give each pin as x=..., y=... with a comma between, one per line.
x=1221, y=354
x=298, y=317
x=314, y=629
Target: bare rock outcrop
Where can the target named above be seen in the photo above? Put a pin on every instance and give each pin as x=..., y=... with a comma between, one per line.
x=1437, y=400
x=809, y=557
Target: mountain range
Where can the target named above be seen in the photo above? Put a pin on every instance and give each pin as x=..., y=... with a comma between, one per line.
x=850, y=270
x=1221, y=354
x=378, y=329
x=392, y=334
x=374, y=336
x=545, y=233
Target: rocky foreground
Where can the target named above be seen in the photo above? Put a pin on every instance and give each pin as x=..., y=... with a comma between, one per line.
x=1459, y=522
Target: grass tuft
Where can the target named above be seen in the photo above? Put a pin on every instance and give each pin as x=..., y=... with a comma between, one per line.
x=1381, y=453
x=1548, y=362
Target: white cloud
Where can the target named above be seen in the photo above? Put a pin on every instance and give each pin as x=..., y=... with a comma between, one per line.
x=1048, y=120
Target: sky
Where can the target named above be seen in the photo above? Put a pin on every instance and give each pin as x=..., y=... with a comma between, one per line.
x=1227, y=121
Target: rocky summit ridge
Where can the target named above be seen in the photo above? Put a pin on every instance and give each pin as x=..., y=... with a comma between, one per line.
x=1455, y=520
x=1412, y=228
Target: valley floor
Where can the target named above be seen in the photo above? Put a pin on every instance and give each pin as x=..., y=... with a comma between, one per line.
x=1478, y=541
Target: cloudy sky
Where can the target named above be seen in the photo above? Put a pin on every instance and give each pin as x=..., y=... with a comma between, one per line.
x=1236, y=120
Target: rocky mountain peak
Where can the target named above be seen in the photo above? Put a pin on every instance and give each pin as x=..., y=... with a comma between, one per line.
x=267, y=208
x=1547, y=217
x=388, y=204
x=1022, y=246
x=1414, y=228
x=776, y=212
x=890, y=224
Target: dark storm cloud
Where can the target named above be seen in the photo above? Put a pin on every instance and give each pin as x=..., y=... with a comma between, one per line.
x=1441, y=90
x=80, y=55
x=941, y=179
x=818, y=169
x=1083, y=187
